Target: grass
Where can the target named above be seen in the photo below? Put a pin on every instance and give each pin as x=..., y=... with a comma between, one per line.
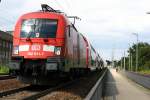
x=4, y=69
x=145, y=71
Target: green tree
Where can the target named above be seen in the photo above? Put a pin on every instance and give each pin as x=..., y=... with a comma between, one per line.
x=143, y=56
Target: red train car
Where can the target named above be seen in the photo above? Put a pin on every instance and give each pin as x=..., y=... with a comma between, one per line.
x=46, y=45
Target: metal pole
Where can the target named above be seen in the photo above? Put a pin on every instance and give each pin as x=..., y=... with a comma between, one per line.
x=137, y=54
x=131, y=62
x=124, y=61
x=136, y=51
x=121, y=63
x=113, y=58
x=129, y=68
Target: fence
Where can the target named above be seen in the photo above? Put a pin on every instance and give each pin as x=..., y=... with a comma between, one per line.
x=97, y=90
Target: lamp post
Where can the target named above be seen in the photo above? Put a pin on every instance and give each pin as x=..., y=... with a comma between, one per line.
x=129, y=68
x=136, y=34
x=121, y=63
x=131, y=61
x=124, y=62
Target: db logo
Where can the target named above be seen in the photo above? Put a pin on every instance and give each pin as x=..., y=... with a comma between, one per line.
x=36, y=47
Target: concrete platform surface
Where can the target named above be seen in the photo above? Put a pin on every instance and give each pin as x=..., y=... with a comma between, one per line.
x=118, y=87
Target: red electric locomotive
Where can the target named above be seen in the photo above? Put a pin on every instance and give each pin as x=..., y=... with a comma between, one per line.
x=47, y=45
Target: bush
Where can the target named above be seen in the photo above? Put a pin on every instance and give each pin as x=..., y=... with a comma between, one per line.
x=4, y=69
x=147, y=65
x=145, y=71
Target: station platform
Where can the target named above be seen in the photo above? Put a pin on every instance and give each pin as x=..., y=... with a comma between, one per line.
x=118, y=87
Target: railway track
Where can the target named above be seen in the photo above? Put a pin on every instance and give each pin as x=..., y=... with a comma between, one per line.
x=13, y=91
x=77, y=91
x=32, y=92
x=66, y=89
x=5, y=77
x=48, y=91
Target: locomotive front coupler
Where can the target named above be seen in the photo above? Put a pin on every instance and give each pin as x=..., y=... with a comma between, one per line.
x=34, y=73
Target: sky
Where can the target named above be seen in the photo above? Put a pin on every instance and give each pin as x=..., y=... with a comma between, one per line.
x=108, y=24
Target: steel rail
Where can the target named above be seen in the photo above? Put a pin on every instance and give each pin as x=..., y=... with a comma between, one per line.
x=13, y=91
x=47, y=91
x=5, y=77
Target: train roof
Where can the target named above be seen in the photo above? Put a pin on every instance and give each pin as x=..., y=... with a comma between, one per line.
x=40, y=13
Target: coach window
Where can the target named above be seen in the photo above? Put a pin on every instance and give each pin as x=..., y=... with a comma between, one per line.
x=69, y=30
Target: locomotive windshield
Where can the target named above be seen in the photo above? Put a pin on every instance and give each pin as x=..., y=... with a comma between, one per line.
x=38, y=28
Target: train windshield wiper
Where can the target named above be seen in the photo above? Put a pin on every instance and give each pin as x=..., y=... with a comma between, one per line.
x=30, y=33
x=29, y=36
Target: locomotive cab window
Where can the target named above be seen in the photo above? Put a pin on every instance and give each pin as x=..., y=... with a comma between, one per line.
x=39, y=28
x=69, y=30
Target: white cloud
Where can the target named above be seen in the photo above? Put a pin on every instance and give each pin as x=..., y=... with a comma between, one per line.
x=104, y=22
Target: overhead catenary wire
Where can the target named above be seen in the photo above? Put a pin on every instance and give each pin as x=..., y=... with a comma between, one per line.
x=61, y=7
x=11, y=18
x=68, y=3
x=68, y=6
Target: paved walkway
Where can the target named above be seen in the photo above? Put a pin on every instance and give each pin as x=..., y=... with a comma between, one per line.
x=119, y=87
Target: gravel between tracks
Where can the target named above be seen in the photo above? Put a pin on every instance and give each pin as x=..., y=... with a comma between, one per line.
x=10, y=84
x=76, y=91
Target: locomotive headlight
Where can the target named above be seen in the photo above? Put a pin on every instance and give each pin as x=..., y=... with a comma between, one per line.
x=16, y=50
x=57, y=50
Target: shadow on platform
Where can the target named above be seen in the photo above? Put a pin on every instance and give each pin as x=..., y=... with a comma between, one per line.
x=110, y=89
